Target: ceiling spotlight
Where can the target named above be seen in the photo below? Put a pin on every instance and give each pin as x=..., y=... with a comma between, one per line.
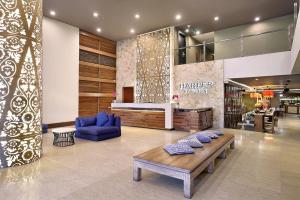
x=216, y=18
x=132, y=31
x=178, y=17
x=137, y=16
x=99, y=30
x=52, y=13
x=197, y=32
x=187, y=30
x=256, y=79
x=257, y=19
x=95, y=14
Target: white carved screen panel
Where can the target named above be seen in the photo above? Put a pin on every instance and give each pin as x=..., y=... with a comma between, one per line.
x=20, y=82
x=153, y=67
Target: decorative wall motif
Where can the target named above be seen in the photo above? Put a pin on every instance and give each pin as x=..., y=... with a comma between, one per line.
x=20, y=82
x=153, y=67
x=212, y=71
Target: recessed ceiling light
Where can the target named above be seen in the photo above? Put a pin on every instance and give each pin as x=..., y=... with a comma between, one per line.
x=257, y=19
x=216, y=18
x=132, y=31
x=197, y=32
x=52, y=13
x=137, y=16
x=95, y=14
x=187, y=30
x=178, y=17
x=99, y=30
x=256, y=79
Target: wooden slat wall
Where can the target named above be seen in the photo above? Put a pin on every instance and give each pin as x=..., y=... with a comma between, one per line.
x=97, y=74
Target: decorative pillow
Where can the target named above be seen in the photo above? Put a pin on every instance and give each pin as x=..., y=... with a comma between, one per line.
x=178, y=149
x=201, y=138
x=218, y=132
x=111, y=121
x=192, y=142
x=102, y=118
x=209, y=134
x=87, y=121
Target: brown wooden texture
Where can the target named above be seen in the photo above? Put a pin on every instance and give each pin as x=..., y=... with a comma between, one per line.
x=128, y=94
x=193, y=120
x=141, y=118
x=88, y=106
x=97, y=74
x=188, y=162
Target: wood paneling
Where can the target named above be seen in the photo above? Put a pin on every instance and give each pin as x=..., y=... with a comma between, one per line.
x=193, y=120
x=107, y=74
x=88, y=106
x=97, y=74
x=107, y=88
x=141, y=118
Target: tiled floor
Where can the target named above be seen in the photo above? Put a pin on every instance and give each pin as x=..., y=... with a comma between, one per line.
x=263, y=166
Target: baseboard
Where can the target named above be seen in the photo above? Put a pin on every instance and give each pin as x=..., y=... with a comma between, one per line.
x=61, y=124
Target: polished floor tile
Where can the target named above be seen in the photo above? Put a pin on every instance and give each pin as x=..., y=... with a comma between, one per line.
x=262, y=167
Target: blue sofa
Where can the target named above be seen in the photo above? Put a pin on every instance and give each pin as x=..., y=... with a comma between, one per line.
x=100, y=127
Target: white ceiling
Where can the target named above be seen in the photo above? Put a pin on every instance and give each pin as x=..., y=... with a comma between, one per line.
x=116, y=17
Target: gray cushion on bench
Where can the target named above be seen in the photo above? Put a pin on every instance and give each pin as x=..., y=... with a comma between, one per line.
x=192, y=142
x=178, y=149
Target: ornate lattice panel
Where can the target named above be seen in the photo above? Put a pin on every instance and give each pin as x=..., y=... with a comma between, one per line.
x=153, y=67
x=20, y=82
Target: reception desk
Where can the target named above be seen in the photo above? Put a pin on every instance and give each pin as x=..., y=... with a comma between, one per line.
x=163, y=116
x=146, y=115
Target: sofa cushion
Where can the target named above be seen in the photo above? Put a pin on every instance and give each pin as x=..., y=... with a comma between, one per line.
x=102, y=118
x=96, y=130
x=87, y=121
x=192, y=142
x=178, y=149
x=111, y=121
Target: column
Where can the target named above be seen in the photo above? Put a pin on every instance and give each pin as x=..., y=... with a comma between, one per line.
x=20, y=82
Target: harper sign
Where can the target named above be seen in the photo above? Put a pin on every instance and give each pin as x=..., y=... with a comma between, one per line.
x=201, y=87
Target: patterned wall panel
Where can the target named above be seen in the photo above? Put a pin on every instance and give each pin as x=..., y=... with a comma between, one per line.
x=20, y=82
x=153, y=67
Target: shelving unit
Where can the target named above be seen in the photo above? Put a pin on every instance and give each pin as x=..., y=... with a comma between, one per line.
x=233, y=110
x=97, y=74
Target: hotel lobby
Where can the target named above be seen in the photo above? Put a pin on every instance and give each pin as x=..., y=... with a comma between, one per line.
x=150, y=100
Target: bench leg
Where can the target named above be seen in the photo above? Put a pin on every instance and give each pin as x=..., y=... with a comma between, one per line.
x=188, y=186
x=232, y=145
x=223, y=155
x=211, y=167
x=137, y=173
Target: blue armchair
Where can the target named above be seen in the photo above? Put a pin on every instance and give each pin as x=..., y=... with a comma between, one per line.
x=97, y=128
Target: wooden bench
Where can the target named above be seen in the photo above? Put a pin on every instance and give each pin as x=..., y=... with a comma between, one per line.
x=184, y=167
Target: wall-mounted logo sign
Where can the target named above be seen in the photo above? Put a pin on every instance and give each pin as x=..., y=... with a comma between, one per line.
x=201, y=87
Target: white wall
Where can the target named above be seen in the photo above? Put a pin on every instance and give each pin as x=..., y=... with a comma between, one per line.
x=295, y=65
x=255, y=66
x=60, y=71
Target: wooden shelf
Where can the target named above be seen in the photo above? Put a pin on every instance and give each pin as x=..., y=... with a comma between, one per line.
x=84, y=94
x=82, y=78
x=88, y=49
x=88, y=64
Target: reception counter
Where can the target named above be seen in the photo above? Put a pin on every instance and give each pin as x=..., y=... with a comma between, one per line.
x=163, y=116
x=147, y=115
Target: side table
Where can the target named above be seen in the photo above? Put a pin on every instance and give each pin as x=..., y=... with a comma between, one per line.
x=63, y=137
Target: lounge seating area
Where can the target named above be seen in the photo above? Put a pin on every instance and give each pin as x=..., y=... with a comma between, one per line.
x=99, y=127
